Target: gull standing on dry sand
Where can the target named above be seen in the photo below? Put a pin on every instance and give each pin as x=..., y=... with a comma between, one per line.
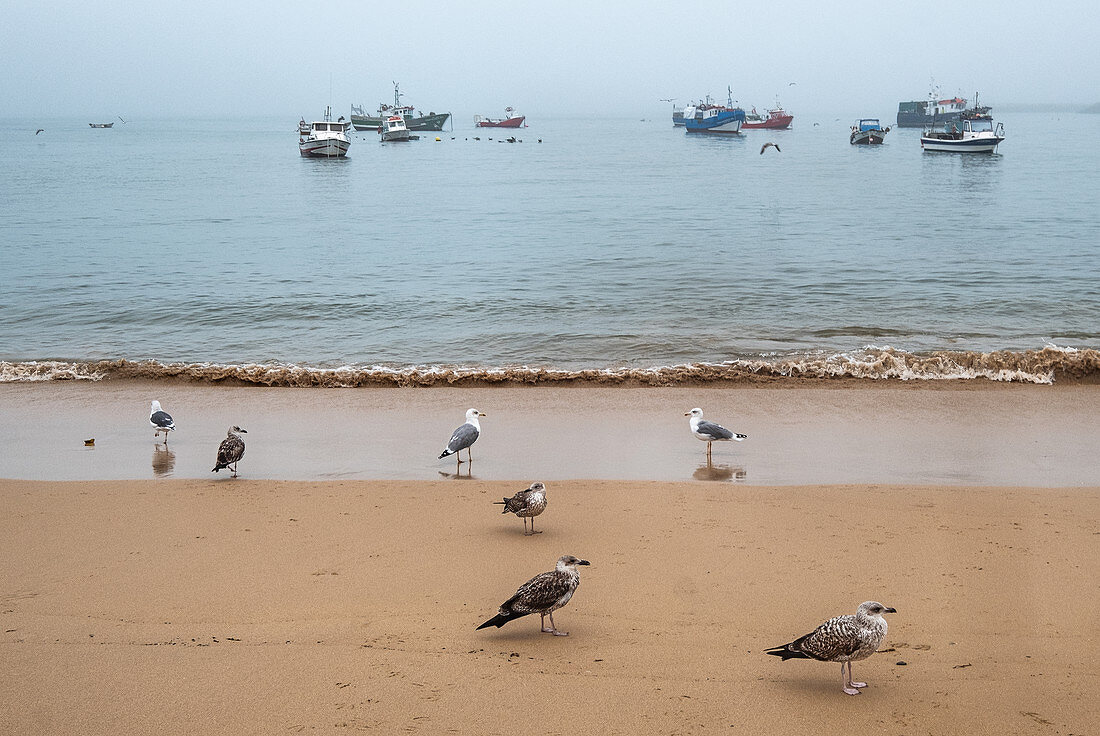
x=528, y=503
x=231, y=450
x=542, y=594
x=161, y=421
x=464, y=436
x=842, y=639
x=710, y=432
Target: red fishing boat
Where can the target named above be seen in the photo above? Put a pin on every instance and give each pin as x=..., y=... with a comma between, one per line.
x=776, y=119
x=511, y=121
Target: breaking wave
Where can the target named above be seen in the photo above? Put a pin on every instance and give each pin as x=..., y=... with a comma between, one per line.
x=1044, y=366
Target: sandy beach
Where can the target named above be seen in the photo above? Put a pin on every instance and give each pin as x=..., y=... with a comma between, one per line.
x=141, y=594
x=193, y=606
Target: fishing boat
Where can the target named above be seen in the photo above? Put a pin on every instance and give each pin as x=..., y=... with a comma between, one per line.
x=393, y=128
x=716, y=119
x=413, y=120
x=325, y=138
x=101, y=125
x=776, y=119
x=932, y=111
x=868, y=131
x=679, y=116
x=510, y=120
x=973, y=132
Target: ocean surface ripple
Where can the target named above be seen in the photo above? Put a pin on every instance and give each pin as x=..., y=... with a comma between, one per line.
x=612, y=251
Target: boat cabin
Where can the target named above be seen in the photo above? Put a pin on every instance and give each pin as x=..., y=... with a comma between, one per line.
x=866, y=124
x=968, y=127
x=325, y=127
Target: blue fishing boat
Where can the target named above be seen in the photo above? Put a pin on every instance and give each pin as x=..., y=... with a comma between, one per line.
x=718, y=119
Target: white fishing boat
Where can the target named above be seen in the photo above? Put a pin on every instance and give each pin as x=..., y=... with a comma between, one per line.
x=393, y=128
x=973, y=132
x=324, y=138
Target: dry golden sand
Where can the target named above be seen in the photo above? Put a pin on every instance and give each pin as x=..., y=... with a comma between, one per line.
x=266, y=607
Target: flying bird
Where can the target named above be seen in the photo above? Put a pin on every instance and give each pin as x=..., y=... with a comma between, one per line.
x=842, y=639
x=710, y=432
x=542, y=594
x=231, y=450
x=161, y=421
x=767, y=145
x=464, y=436
x=40, y=130
x=528, y=503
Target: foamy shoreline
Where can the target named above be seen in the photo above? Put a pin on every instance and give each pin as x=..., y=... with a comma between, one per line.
x=1042, y=366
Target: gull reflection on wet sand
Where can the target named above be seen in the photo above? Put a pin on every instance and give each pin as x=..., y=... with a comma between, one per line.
x=710, y=471
x=164, y=461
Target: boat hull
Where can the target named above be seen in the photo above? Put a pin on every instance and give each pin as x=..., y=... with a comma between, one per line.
x=424, y=122
x=324, y=148
x=868, y=137
x=984, y=144
x=516, y=122
x=731, y=128
x=781, y=122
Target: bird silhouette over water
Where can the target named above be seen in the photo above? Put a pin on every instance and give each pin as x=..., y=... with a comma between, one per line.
x=40, y=130
x=767, y=145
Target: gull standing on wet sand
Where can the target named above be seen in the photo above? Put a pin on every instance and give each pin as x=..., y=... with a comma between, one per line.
x=528, y=503
x=464, y=436
x=842, y=639
x=542, y=594
x=231, y=450
x=161, y=421
x=709, y=431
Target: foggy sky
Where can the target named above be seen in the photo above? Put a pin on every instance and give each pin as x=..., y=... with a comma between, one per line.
x=610, y=59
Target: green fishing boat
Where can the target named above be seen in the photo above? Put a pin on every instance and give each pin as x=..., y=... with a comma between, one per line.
x=413, y=120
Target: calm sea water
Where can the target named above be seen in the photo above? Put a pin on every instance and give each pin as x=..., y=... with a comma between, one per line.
x=591, y=244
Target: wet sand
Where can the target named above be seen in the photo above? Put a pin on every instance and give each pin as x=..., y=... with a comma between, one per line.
x=974, y=432
x=252, y=606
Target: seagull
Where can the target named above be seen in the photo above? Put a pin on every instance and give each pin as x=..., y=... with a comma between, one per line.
x=528, y=503
x=542, y=594
x=40, y=130
x=231, y=450
x=710, y=432
x=464, y=436
x=766, y=145
x=842, y=639
x=161, y=421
